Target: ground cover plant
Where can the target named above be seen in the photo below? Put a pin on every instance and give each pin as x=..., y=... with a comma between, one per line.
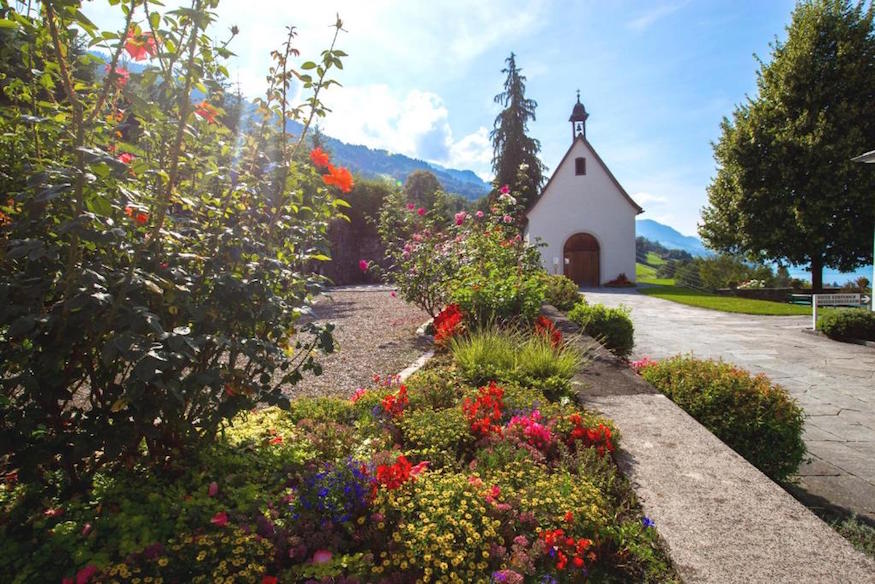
x=611, y=326
x=754, y=417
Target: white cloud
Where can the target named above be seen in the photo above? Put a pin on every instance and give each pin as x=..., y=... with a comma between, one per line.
x=415, y=123
x=644, y=198
x=646, y=20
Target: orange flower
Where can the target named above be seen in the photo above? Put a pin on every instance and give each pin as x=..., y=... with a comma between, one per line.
x=140, y=217
x=320, y=158
x=140, y=46
x=207, y=112
x=339, y=177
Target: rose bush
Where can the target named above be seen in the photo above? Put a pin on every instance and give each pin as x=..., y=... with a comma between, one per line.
x=155, y=254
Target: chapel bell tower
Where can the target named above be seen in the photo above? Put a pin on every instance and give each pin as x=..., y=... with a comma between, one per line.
x=578, y=119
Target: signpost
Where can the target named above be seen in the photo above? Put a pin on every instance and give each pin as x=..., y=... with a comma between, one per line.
x=831, y=300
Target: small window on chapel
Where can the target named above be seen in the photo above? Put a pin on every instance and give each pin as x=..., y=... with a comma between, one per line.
x=579, y=166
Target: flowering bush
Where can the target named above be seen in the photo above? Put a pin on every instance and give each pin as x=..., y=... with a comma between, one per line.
x=479, y=262
x=155, y=253
x=547, y=328
x=620, y=281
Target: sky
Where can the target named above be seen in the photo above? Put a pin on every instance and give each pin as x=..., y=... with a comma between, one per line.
x=656, y=77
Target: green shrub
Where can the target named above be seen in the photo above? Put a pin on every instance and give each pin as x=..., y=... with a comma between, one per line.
x=502, y=355
x=485, y=355
x=845, y=325
x=755, y=418
x=561, y=292
x=497, y=295
x=611, y=326
x=540, y=364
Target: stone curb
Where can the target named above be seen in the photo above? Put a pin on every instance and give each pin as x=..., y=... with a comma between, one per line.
x=870, y=344
x=722, y=520
x=415, y=366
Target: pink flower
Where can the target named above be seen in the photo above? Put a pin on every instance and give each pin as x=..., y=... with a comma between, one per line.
x=507, y=219
x=125, y=157
x=85, y=574
x=358, y=394
x=419, y=468
x=480, y=214
x=363, y=265
x=411, y=206
x=504, y=190
x=55, y=512
x=86, y=529
x=220, y=519
x=420, y=211
x=393, y=294
x=460, y=217
x=213, y=490
x=321, y=557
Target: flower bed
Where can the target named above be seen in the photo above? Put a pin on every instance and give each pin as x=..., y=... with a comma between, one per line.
x=436, y=479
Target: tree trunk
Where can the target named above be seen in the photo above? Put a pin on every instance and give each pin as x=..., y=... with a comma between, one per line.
x=817, y=274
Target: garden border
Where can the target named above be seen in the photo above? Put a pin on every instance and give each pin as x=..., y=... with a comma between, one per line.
x=721, y=519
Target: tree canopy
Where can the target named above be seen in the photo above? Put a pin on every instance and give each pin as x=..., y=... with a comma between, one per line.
x=515, y=154
x=786, y=188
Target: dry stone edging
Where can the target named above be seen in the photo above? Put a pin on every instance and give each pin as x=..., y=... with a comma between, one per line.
x=722, y=520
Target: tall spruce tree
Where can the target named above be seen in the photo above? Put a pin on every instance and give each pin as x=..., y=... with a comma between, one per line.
x=512, y=147
x=786, y=188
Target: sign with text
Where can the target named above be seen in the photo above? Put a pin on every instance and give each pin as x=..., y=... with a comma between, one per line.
x=831, y=300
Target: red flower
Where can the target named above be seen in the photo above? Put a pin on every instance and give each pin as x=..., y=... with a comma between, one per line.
x=599, y=437
x=125, y=157
x=220, y=519
x=213, y=489
x=339, y=177
x=276, y=439
x=395, y=475
x=420, y=211
x=569, y=517
x=394, y=404
x=121, y=75
x=140, y=217
x=447, y=324
x=363, y=265
x=140, y=46
x=484, y=413
x=320, y=158
x=269, y=580
x=207, y=111
x=545, y=327
x=85, y=574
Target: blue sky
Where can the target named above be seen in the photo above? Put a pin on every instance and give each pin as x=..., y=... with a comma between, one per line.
x=656, y=77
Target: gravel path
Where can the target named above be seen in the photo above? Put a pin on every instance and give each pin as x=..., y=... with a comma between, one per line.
x=374, y=334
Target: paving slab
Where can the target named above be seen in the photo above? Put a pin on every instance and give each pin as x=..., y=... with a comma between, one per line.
x=722, y=520
x=833, y=382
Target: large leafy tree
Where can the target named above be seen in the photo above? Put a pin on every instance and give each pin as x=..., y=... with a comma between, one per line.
x=786, y=188
x=515, y=154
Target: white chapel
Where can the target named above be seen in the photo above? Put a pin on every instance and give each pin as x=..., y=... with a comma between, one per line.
x=584, y=216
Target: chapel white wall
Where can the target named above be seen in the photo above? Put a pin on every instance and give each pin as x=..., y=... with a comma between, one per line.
x=589, y=203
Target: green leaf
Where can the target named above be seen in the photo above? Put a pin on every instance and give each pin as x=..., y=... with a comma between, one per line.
x=308, y=65
x=8, y=24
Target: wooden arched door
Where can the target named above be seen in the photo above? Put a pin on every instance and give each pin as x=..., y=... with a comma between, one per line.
x=582, y=260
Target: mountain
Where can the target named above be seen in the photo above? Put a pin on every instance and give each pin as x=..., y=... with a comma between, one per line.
x=374, y=163
x=670, y=237
x=368, y=162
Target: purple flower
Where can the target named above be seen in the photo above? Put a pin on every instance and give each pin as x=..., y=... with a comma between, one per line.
x=646, y=522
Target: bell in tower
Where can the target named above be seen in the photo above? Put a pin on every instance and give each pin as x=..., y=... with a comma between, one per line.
x=578, y=119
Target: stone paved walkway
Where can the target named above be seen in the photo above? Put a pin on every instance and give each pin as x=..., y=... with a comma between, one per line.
x=834, y=383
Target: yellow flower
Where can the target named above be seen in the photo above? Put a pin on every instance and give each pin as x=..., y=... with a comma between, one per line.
x=162, y=562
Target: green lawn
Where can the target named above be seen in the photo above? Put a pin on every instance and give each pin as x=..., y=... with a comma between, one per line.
x=645, y=274
x=666, y=290
x=654, y=260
